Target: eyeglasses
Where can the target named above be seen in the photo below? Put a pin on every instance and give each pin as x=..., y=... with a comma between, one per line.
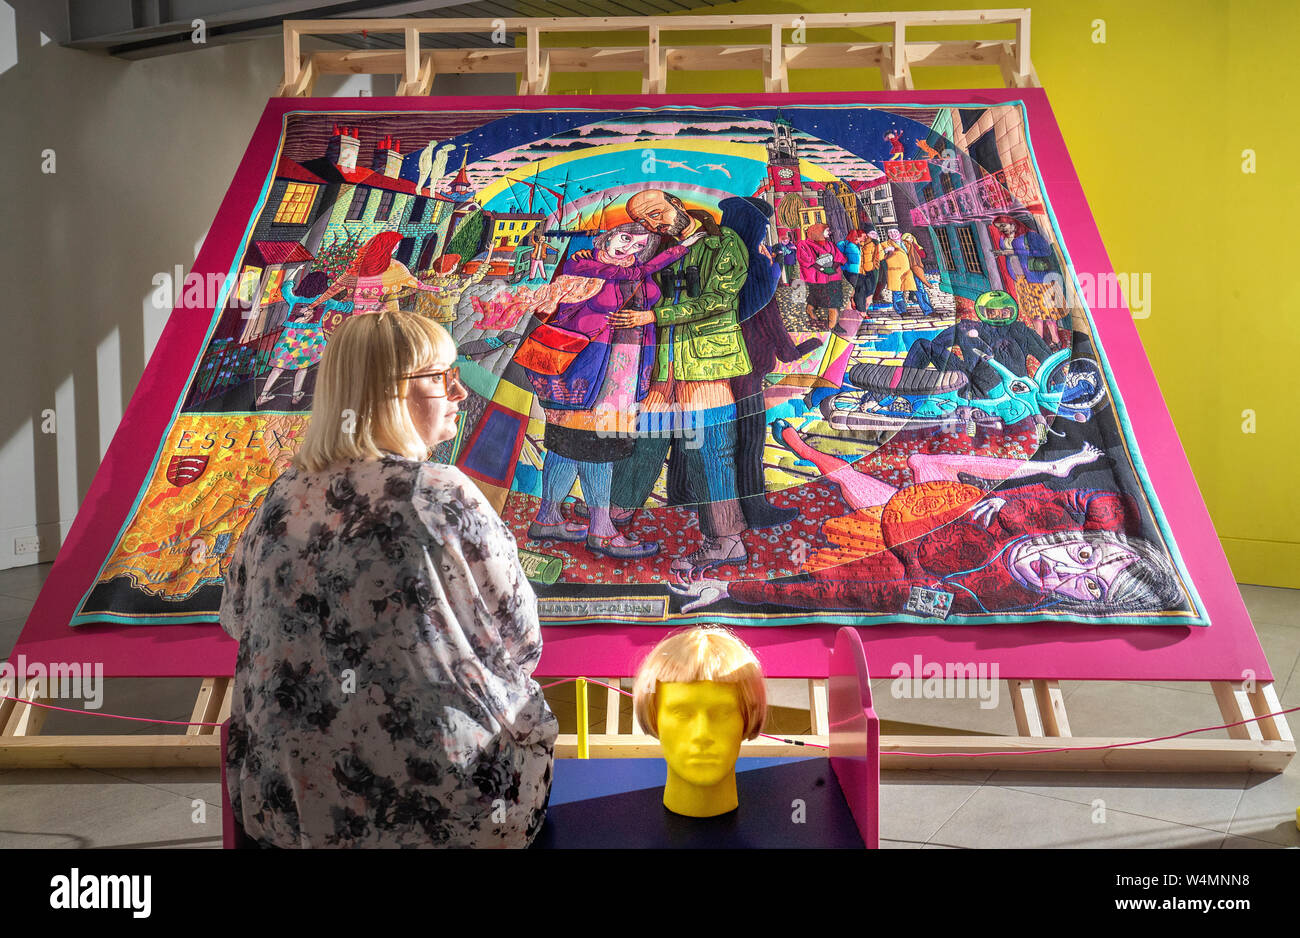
x=445, y=379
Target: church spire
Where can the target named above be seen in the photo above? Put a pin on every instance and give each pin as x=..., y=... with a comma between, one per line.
x=461, y=183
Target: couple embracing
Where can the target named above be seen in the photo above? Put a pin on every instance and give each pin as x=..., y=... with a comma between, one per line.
x=662, y=337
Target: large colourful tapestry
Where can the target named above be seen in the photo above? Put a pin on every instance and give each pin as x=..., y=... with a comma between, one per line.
x=753, y=365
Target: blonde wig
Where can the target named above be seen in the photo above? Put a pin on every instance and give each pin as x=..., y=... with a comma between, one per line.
x=705, y=653
x=359, y=409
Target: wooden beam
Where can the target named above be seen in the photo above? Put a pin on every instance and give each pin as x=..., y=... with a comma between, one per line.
x=1174, y=755
x=223, y=707
x=1181, y=755
x=954, y=52
x=359, y=62
x=589, y=24
x=898, y=56
x=212, y=699
x=1264, y=700
x=715, y=58
x=123, y=752
x=733, y=56
x=302, y=85
x=836, y=55
x=292, y=54
x=778, y=78
x=468, y=61
x=653, y=81
x=1030, y=82
x=818, y=711
x=1007, y=63
x=898, y=75
x=613, y=705
x=412, y=63
x=1024, y=706
x=1023, y=66
x=25, y=720
x=773, y=59
x=1235, y=705
x=8, y=686
x=1051, y=707
x=613, y=59
x=533, y=62
x=544, y=76
x=423, y=83
x=636, y=729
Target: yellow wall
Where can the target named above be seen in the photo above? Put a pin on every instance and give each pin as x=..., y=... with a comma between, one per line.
x=1156, y=119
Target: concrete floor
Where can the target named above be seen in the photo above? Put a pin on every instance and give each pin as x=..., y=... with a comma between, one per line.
x=947, y=808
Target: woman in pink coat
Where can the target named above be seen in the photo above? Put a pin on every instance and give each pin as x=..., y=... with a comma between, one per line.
x=819, y=265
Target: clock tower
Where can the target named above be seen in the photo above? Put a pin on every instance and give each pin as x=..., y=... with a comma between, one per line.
x=783, y=160
x=784, y=181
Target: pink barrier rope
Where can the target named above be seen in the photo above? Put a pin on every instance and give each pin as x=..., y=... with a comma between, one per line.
x=96, y=713
x=792, y=742
x=1135, y=742
x=974, y=755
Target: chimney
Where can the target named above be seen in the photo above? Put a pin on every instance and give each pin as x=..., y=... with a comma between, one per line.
x=388, y=157
x=342, y=148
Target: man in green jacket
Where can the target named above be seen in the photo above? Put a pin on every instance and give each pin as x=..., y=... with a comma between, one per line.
x=700, y=348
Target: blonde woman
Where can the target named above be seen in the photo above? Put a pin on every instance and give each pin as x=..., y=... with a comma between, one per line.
x=387, y=635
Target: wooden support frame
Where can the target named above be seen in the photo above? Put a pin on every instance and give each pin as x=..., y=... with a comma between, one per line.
x=1038, y=705
x=657, y=58
x=22, y=746
x=1041, y=723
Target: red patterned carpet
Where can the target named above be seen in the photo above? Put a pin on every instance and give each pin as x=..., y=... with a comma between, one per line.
x=772, y=551
x=677, y=532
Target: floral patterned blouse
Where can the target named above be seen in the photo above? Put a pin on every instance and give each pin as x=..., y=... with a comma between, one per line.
x=383, y=689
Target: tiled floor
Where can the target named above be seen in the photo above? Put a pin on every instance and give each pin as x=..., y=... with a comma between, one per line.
x=181, y=807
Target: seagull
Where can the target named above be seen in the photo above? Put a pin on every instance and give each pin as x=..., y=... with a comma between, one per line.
x=719, y=167
x=675, y=164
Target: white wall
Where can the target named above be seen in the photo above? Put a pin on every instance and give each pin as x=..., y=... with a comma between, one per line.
x=143, y=153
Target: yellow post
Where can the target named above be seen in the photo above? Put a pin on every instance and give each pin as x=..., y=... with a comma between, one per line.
x=583, y=752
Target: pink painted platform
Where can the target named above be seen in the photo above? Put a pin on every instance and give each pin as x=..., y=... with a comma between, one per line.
x=1222, y=651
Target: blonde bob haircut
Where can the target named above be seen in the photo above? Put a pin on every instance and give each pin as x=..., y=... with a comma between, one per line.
x=705, y=653
x=359, y=409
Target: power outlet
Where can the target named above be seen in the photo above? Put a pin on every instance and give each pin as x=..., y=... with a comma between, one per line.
x=27, y=545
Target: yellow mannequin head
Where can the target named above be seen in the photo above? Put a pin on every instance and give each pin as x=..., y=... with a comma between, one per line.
x=701, y=692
